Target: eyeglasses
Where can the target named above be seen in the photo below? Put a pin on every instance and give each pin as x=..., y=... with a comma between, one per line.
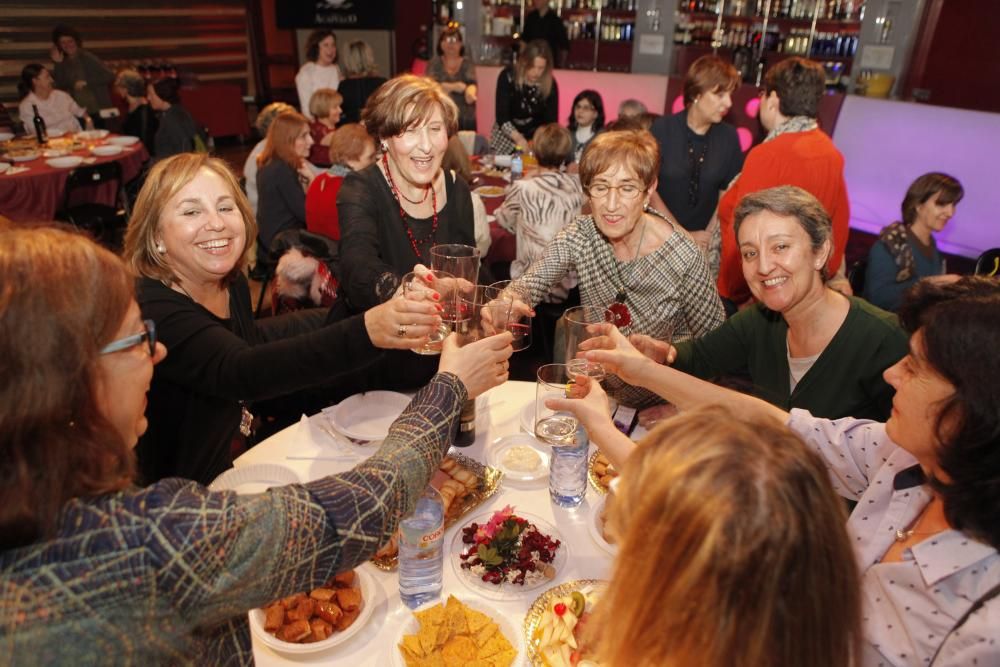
x=148, y=336
x=625, y=190
x=453, y=39
x=585, y=107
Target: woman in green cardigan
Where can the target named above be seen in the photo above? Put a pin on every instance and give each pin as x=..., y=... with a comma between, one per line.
x=802, y=344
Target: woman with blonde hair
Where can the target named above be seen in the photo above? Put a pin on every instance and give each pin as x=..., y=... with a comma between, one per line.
x=187, y=241
x=527, y=97
x=732, y=551
x=283, y=177
x=362, y=79
x=325, y=107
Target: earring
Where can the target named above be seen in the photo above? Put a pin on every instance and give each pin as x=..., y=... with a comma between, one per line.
x=384, y=147
x=160, y=248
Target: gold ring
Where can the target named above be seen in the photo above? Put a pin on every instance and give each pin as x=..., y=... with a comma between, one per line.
x=401, y=331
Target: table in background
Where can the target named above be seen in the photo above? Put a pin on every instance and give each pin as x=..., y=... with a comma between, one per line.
x=37, y=194
x=503, y=244
x=498, y=414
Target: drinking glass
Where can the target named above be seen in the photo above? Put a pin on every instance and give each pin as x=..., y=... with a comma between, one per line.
x=562, y=431
x=461, y=261
x=483, y=311
x=519, y=325
x=578, y=326
x=416, y=287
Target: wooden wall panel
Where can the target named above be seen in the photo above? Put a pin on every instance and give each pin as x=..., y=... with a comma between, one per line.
x=205, y=41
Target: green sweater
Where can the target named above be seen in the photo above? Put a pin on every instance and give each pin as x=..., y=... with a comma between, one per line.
x=845, y=381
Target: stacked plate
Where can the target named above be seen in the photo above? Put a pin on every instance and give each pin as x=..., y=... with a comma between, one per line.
x=66, y=162
x=123, y=141
x=106, y=151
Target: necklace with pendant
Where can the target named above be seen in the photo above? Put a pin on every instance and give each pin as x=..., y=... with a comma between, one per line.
x=623, y=317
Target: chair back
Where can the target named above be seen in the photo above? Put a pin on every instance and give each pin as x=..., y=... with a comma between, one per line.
x=91, y=175
x=856, y=276
x=106, y=223
x=988, y=263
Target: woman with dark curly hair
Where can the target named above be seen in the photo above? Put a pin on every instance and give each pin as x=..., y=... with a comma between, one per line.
x=79, y=72
x=321, y=70
x=926, y=482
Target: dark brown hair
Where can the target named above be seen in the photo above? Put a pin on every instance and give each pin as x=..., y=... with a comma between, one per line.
x=709, y=74
x=405, y=101
x=450, y=32
x=62, y=298
x=799, y=84
x=926, y=187
x=312, y=46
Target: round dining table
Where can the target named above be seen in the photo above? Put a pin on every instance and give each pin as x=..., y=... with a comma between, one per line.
x=498, y=414
x=36, y=195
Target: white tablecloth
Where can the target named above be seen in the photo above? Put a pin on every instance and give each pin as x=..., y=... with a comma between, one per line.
x=498, y=414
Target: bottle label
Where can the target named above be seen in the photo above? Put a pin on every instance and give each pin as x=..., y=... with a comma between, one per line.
x=422, y=540
x=431, y=537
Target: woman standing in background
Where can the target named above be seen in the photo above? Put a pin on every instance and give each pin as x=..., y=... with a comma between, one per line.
x=79, y=72
x=457, y=75
x=321, y=71
x=527, y=97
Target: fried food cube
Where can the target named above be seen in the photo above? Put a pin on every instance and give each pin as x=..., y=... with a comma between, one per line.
x=292, y=600
x=294, y=632
x=323, y=594
x=274, y=616
x=320, y=630
x=329, y=611
x=347, y=620
x=348, y=599
x=302, y=611
x=344, y=579
x=458, y=651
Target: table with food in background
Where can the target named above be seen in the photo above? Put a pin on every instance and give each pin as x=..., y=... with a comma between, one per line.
x=510, y=468
x=33, y=178
x=490, y=182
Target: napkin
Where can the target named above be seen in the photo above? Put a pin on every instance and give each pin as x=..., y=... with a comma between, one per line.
x=325, y=440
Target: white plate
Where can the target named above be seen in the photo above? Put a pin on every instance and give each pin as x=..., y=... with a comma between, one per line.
x=368, y=416
x=54, y=152
x=595, y=525
x=411, y=626
x=27, y=157
x=528, y=417
x=106, y=151
x=67, y=162
x=123, y=140
x=362, y=580
x=4, y=166
x=506, y=591
x=489, y=191
x=6, y=136
x=90, y=135
x=497, y=449
x=256, y=478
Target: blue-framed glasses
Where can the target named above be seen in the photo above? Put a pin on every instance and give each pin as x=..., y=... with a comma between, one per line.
x=148, y=336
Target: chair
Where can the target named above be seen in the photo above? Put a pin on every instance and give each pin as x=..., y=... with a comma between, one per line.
x=104, y=222
x=988, y=263
x=856, y=276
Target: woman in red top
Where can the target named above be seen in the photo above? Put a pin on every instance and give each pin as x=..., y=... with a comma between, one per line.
x=324, y=106
x=351, y=149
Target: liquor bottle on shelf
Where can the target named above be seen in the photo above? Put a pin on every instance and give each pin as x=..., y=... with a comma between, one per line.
x=40, y=133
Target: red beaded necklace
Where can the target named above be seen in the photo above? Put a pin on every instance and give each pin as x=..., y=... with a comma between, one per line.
x=402, y=213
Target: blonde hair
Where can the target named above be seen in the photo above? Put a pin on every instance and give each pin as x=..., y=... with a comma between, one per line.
x=537, y=48
x=322, y=101
x=359, y=59
x=733, y=551
x=165, y=180
x=405, y=101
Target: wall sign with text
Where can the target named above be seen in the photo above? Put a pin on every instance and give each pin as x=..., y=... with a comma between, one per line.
x=359, y=14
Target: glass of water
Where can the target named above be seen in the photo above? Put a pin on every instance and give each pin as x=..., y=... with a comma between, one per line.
x=418, y=288
x=562, y=431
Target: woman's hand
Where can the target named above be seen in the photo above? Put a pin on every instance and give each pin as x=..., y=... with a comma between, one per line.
x=306, y=174
x=657, y=350
x=615, y=353
x=470, y=94
x=519, y=139
x=481, y=365
x=56, y=54
x=402, y=324
x=587, y=402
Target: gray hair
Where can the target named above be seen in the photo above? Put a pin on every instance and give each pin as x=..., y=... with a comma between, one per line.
x=132, y=82
x=268, y=114
x=789, y=201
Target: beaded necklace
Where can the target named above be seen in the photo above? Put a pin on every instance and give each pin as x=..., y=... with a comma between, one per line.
x=402, y=213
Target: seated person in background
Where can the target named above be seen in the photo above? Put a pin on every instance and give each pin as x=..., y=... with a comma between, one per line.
x=178, y=132
x=803, y=344
x=743, y=518
x=141, y=119
x=351, y=148
x=795, y=152
x=631, y=109
x=283, y=177
x=905, y=251
x=925, y=529
x=164, y=574
x=540, y=205
x=60, y=113
x=456, y=159
x=362, y=79
x=629, y=258
x=585, y=120
x=321, y=70
x=325, y=108
x=527, y=97
x=187, y=241
x=79, y=72
x=262, y=124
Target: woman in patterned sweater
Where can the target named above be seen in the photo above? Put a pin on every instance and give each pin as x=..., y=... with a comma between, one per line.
x=96, y=570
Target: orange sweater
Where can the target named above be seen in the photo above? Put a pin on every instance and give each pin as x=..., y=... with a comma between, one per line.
x=806, y=159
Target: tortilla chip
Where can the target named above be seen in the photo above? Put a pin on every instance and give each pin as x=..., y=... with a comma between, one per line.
x=455, y=617
x=476, y=619
x=504, y=658
x=495, y=644
x=484, y=633
x=411, y=645
x=433, y=616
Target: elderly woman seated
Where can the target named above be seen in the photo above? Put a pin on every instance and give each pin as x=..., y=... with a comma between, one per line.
x=926, y=482
x=94, y=568
x=629, y=257
x=803, y=344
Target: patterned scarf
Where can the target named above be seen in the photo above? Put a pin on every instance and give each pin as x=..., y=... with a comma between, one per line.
x=793, y=124
x=896, y=237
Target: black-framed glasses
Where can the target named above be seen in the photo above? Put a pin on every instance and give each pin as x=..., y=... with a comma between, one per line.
x=148, y=336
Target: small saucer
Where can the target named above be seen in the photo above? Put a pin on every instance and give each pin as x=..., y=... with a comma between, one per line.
x=512, y=455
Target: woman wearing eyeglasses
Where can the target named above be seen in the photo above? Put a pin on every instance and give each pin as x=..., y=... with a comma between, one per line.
x=457, y=75
x=94, y=568
x=629, y=257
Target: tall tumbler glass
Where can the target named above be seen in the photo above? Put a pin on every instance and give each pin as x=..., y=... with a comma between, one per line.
x=462, y=262
x=562, y=431
x=520, y=325
x=579, y=323
x=444, y=284
x=483, y=311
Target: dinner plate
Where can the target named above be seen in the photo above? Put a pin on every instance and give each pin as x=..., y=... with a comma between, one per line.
x=123, y=140
x=90, y=135
x=363, y=580
x=256, y=478
x=506, y=591
x=106, y=151
x=510, y=631
x=489, y=191
x=67, y=162
x=24, y=157
x=4, y=166
x=6, y=136
x=368, y=416
x=501, y=452
x=54, y=152
x=595, y=527
x=528, y=417
x=592, y=588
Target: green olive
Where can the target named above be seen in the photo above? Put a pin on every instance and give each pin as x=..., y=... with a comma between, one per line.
x=577, y=603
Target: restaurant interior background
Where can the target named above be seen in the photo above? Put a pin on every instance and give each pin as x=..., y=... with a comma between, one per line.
x=943, y=111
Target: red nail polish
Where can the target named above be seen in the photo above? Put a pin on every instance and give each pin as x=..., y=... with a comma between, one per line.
x=436, y=296
x=430, y=277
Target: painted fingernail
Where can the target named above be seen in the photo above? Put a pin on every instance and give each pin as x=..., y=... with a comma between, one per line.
x=439, y=307
x=430, y=277
x=436, y=296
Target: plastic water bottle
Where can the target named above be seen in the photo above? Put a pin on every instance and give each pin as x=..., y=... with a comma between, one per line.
x=568, y=470
x=421, y=553
x=516, y=165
